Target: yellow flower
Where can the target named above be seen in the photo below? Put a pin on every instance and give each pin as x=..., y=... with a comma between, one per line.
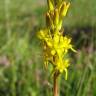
x=56, y=45
x=61, y=66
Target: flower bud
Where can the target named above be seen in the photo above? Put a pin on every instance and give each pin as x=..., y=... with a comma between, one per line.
x=60, y=24
x=48, y=20
x=56, y=17
x=64, y=8
x=50, y=5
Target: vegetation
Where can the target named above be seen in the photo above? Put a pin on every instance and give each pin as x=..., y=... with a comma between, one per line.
x=21, y=63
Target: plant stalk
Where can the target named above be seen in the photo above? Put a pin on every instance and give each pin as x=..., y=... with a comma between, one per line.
x=55, y=86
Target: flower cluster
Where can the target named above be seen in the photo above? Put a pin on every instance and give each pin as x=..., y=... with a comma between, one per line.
x=56, y=44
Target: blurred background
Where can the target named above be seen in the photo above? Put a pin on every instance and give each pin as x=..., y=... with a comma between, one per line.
x=21, y=64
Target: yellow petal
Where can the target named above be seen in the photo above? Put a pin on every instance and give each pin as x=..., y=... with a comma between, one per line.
x=53, y=52
x=66, y=74
x=73, y=49
x=41, y=34
x=49, y=43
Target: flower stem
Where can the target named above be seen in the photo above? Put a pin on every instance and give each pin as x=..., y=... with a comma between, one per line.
x=55, y=86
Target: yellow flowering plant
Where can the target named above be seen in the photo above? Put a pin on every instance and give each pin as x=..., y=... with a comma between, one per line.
x=56, y=44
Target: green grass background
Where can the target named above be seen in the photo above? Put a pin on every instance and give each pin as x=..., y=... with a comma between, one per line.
x=21, y=64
